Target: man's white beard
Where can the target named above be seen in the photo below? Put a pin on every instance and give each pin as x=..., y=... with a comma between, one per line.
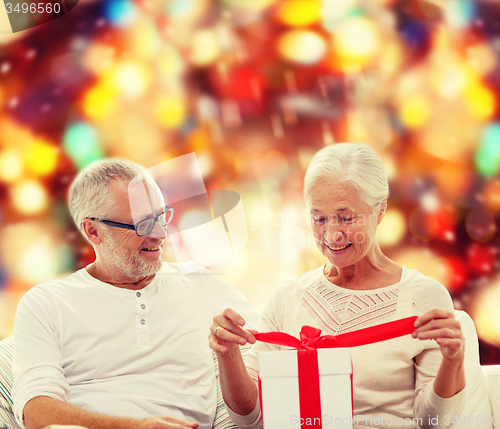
x=128, y=263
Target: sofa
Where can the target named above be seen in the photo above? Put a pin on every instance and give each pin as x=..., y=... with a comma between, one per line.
x=483, y=386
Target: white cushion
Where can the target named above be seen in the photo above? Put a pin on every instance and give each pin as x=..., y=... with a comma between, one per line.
x=477, y=407
x=492, y=374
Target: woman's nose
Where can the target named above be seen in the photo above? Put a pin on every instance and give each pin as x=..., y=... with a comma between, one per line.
x=334, y=235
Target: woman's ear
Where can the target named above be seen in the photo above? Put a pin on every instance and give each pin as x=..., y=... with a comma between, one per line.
x=90, y=231
x=382, y=210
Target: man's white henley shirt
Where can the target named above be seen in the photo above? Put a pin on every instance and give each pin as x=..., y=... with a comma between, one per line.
x=123, y=352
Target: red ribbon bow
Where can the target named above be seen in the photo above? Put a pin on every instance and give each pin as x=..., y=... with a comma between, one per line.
x=310, y=341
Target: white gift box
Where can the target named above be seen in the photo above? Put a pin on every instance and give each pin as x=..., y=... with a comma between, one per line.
x=278, y=372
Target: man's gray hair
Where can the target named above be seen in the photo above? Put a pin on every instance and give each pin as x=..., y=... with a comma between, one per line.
x=356, y=166
x=89, y=193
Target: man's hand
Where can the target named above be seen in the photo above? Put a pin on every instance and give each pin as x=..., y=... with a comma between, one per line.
x=227, y=332
x=166, y=423
x=440, y=325
x=42, y=411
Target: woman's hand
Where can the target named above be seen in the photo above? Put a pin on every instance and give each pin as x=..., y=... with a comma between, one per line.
x=227, y=332
x=440, y=325
x=226, y=335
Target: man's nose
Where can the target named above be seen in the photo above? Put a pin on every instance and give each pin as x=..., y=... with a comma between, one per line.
x=158, y=231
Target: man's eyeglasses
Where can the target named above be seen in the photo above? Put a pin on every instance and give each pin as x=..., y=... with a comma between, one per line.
x=145, y=226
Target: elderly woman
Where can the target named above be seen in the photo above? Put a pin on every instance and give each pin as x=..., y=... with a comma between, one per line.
x=406, y=378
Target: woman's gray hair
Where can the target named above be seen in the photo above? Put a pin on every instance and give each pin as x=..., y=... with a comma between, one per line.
x=356, y=166
x=89, y=193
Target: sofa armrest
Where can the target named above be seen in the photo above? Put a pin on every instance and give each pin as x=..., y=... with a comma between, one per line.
x=492, y=374
x=477, y=404
x=7, y=419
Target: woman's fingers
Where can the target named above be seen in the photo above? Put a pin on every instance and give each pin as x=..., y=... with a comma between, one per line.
x=440, y=325
x=215, y=345
x=232, y=315
x=232, y=327
x=225, y=334
x=449, y=342
x=434, y=314
x=227, y=329
x=234, y=334
x=433, y=334
x=438, y=321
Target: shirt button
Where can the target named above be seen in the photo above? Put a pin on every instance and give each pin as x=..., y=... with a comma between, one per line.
x=143, y=321
x=138, y=294
x=143, y=306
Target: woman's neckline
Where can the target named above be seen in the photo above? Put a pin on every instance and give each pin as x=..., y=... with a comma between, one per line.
x=328, y=283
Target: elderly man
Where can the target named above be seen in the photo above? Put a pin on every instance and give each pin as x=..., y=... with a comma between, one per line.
x=122, y=342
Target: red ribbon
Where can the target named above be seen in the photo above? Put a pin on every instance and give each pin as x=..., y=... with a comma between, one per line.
x=307, y=357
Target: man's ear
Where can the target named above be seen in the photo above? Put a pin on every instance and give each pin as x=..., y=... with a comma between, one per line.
x=382, y=210
x=90, y=231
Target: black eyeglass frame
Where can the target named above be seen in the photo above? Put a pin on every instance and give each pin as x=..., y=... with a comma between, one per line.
x=134, y=227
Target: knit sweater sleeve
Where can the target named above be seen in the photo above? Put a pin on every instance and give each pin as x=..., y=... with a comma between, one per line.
x=430, y=408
